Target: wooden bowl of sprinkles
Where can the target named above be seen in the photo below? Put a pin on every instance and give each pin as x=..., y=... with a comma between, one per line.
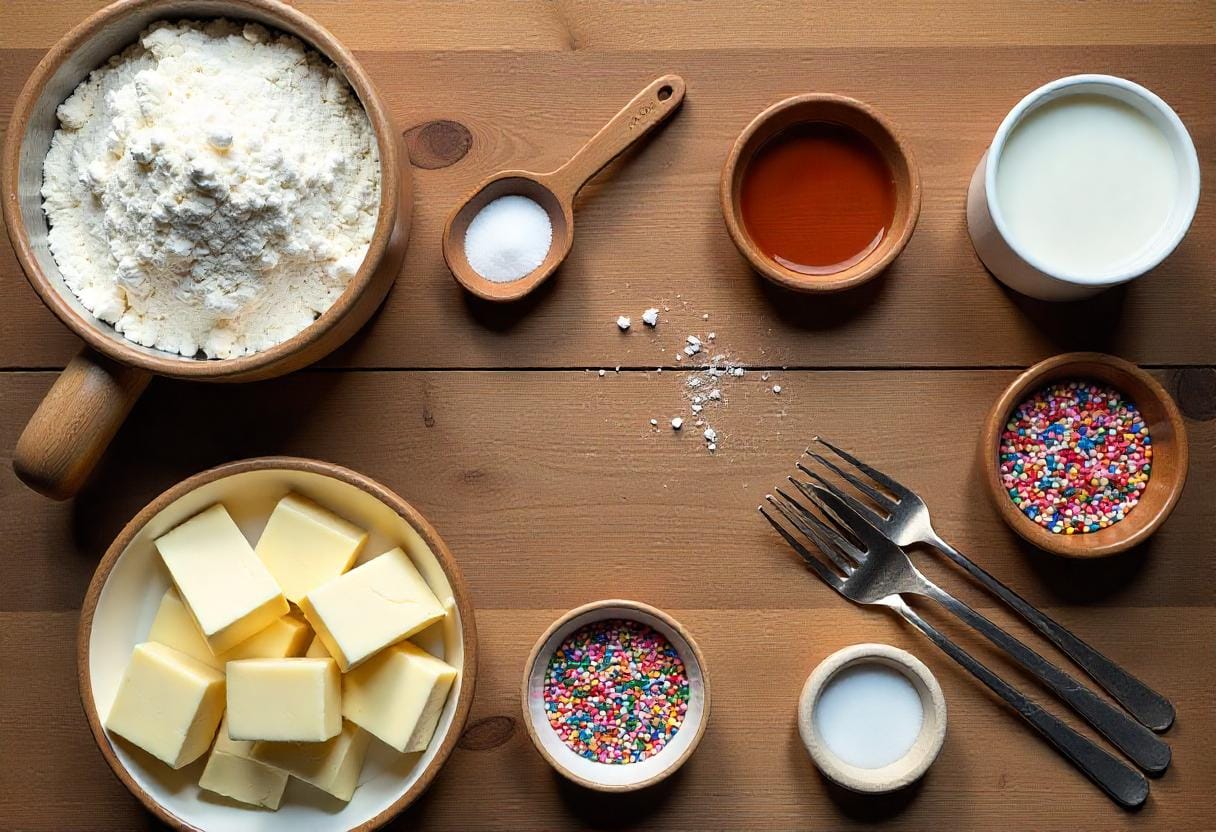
x=625, y=777
x=1169, y=453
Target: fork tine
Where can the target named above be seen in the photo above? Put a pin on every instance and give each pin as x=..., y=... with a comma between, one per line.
x=826, y=575
x=858, y=483
x=797, y=518
x=864, y=532
x=857, y=505
x=829, y=541
x=878, y=476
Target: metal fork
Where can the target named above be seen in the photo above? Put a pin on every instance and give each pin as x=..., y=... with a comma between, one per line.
x=867, y=582
x=1141, y=745
x=907, y=522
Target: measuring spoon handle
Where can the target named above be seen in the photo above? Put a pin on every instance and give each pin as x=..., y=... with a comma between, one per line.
x=648, y=109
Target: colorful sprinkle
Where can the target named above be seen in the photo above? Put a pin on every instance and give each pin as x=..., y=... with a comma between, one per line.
x=616, y=692
x=1075, y=457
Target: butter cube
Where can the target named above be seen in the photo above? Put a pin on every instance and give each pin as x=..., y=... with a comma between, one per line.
x=229, y=592
x=284, y=699
x=305, y=545
x=316, y=650
x=331, y=766
x=174, y=627
x=168, y=704
x=372, y=606
x=397, y=695
x=231, y=772
x=285, y=638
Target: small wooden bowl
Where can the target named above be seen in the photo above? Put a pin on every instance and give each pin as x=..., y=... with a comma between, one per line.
x=1170, y=455
x=600, y=776
x=126, y=590
x=833, y=109
x=83, y=410
x=907, y=769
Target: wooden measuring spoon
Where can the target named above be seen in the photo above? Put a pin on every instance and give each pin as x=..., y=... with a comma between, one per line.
x=555, y=191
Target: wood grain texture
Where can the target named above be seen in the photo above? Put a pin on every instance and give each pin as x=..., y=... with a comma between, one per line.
x=548, y=482
x=553, y=490
x=650, y=227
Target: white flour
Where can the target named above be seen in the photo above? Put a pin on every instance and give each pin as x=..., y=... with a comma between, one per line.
x=706, y=378
x=211, y=189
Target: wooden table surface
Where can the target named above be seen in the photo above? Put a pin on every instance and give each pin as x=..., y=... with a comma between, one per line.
x=548, y=481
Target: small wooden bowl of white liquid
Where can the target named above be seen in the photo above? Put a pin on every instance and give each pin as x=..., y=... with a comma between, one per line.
x=1091, y=181
x=872, y=717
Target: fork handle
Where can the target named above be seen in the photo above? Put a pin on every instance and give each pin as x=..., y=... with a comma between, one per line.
x=1142, y=746
x=1125, y=785
x=1142, y=702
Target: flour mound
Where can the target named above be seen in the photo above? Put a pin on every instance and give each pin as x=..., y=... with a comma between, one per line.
x=212, y=189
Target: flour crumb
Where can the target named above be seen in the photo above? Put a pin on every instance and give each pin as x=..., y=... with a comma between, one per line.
x=651, y=317
x=777, y=389
x=624, y=322
x=603, y=373
x=677, y=423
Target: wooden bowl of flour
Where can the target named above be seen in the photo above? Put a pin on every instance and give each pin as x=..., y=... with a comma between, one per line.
x=88, y=403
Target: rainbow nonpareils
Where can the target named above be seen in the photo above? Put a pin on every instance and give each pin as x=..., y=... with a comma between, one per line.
x=616, y=691
x=1075, y=457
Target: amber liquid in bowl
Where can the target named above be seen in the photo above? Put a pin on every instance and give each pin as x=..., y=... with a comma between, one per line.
x=817, y=198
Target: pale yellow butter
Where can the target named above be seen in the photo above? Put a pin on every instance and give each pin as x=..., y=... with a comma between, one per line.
x=175, y=627
x=285, y=638
x=232, y=772
x=229, y=592
x=284, y=699
x=398, y=695
x=168, y=703
x=372, y=606
x=332, y=766
x=305, y=545
x=316, y=650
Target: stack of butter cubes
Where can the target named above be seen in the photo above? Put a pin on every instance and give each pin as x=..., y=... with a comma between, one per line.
x=231, y=668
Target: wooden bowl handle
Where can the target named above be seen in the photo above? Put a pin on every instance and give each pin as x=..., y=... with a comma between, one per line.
x=75, y=422
x=648, y=109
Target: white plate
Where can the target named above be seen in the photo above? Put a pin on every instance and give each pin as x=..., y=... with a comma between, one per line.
x=128, y=588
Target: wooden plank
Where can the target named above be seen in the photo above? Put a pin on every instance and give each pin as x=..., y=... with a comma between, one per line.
x=558, y=480
x=433, y=25
x=750, y=771
x=650, y=231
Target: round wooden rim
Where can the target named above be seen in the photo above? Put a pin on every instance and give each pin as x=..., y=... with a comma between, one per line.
x=787, y=277
x=1079, y=546
x=534, y=656
x=119, y=349
x=451, y=569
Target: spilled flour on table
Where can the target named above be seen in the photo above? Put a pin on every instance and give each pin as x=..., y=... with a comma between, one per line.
x=707, y=375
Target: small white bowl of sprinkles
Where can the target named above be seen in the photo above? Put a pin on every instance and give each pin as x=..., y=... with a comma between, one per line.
x=615, y=695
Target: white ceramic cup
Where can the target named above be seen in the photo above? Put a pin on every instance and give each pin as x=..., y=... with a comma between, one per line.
x=1020, y=270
